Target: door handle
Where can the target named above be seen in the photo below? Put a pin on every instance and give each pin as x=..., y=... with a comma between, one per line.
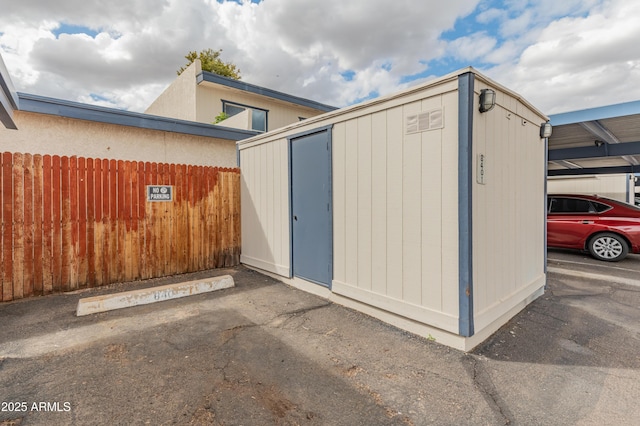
x=587, y=222
x=295, y=218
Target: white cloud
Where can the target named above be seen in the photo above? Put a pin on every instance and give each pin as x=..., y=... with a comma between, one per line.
x=491, y=15
x=303, y=48
x=297, y=47
x=472, y=47
x=580, y=62
x=300, y=47
x=517, y=25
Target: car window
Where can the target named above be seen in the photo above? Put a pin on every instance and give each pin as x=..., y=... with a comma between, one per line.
x=599, y=207
x=571, y=205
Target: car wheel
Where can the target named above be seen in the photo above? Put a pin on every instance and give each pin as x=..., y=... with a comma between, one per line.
x=608, y=247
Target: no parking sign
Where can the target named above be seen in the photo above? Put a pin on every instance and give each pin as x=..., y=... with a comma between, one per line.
x=159, y=193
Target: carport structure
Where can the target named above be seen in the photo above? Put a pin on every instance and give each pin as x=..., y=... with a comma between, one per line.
x=603, y=140
x=8, y=98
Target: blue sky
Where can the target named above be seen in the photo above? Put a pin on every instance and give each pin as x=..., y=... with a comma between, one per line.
x=73, y=29
x=560, y=56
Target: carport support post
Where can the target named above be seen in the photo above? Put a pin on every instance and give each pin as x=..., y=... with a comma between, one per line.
x=466, y=98
x=546, y=207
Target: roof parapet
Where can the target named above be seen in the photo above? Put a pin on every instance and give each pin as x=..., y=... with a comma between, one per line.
x=80, y=111
x=210, y=77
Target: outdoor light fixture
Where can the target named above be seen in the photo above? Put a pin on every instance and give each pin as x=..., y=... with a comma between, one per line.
x=545, y=130
x=487, y=100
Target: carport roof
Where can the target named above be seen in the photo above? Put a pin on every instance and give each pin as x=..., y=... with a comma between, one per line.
x=596, y=141
x=8, y=98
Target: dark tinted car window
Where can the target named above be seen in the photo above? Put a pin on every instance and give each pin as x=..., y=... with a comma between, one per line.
x=599, y=207
x=571, y=205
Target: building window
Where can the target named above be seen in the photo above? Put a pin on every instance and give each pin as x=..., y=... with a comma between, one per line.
x=258, y=116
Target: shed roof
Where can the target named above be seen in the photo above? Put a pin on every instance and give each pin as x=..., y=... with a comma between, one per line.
x=377, y=101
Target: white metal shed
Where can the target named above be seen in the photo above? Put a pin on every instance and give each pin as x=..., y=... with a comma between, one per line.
x=415, y=208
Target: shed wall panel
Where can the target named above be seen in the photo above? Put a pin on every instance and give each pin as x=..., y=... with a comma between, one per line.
x=339, y=201
x=508, y=213
x=431, y=235
x=395, y=194
x=363, y=197
x=265, y=207
x=270, y=198
x=389, y=224
x=411, y=212
x=449, y=205
x=280, y=193
x=265, y=179
x=379, y=203
x=351, y=205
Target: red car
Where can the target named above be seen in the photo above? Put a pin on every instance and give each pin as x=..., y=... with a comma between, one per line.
x=608, y=229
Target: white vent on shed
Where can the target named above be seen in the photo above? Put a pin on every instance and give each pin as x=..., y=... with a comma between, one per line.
x=424, y=121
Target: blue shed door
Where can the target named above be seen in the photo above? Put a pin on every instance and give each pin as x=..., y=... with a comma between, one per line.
x=311, y=207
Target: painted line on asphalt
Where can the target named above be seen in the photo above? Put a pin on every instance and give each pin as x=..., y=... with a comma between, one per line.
x=602, y=266
x=592, y=276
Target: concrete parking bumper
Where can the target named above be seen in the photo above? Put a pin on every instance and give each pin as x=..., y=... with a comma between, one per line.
x=128, y=299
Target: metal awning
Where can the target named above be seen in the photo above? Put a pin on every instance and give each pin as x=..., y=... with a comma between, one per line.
x=596, y=141
x=8, y=98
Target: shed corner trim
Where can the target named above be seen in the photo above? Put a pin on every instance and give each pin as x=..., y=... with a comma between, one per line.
x=466, y=103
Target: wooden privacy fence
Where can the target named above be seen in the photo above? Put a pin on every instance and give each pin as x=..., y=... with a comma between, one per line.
x=73, y=222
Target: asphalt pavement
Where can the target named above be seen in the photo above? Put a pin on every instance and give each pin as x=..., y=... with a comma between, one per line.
x=263, y=353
